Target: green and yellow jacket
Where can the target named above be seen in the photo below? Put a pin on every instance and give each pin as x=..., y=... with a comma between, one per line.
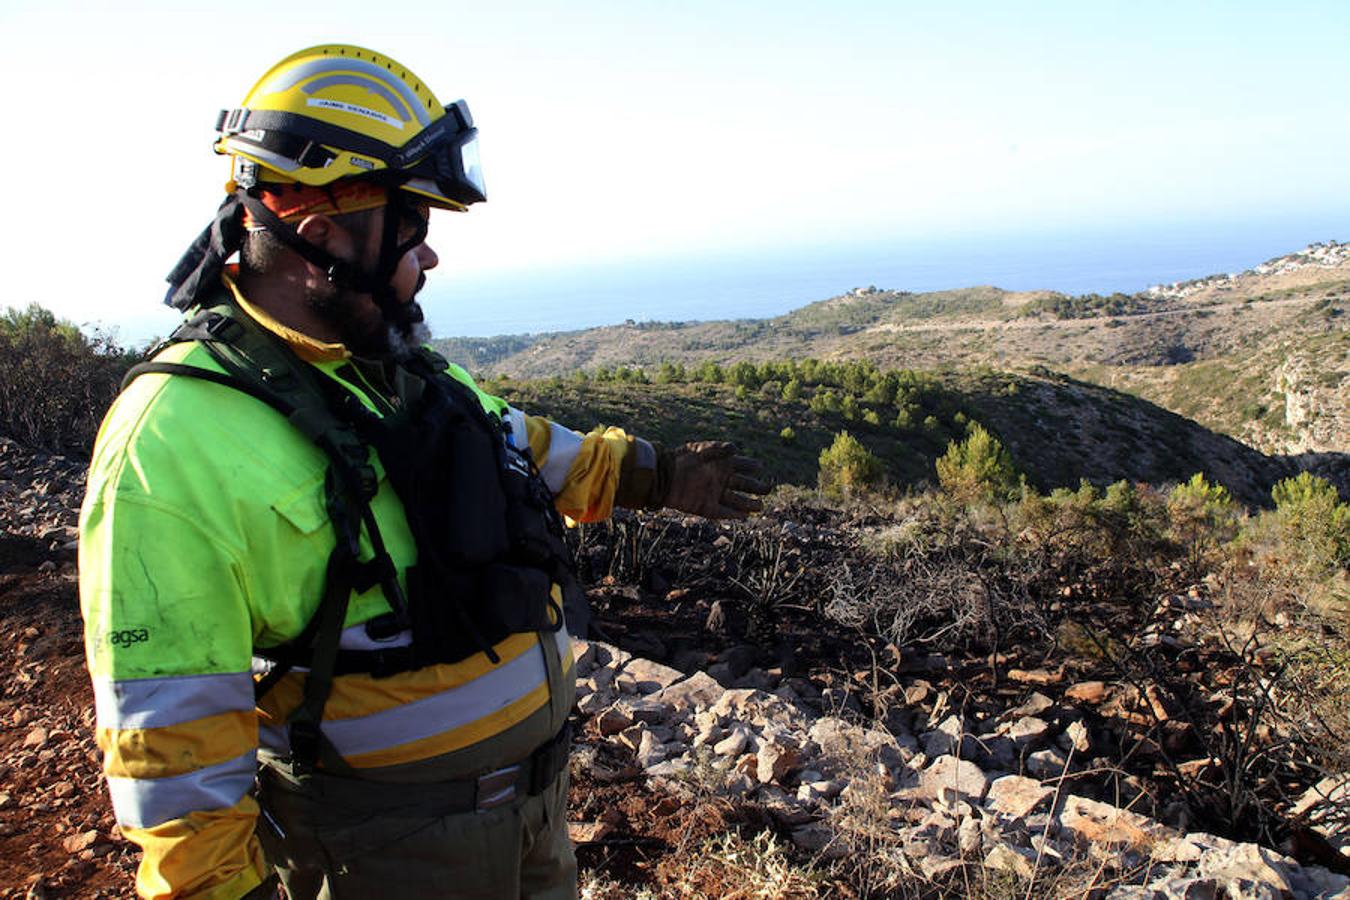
x=204, y=535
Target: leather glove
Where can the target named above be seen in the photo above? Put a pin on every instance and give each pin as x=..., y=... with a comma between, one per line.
x=708, y=479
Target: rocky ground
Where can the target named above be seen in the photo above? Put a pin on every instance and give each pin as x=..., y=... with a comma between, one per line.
x=915, y=809
x=863, y=769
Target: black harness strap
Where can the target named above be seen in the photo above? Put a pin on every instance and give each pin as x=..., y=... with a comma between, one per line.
x=489, y=551
x=306, y=737
x=163, y=368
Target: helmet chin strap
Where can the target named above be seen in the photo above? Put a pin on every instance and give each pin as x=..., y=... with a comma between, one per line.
x=346, y=274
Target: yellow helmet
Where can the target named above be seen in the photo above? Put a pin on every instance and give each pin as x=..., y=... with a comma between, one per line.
x=340, y=111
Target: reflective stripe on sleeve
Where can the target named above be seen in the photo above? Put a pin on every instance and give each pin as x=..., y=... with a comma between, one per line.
x=159, y=702
x=564, y=445
x=519, y=437
x=147, y=802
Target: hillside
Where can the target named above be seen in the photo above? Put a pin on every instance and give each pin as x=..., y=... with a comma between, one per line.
x=1059, y=430
x=1262, y=355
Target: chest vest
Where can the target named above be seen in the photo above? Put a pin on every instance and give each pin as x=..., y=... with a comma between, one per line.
x=488, y=538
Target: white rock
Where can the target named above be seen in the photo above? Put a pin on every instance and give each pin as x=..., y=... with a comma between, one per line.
x=1248, y=862
x=968, y=836
x=1103, y=825
x=602, y=679
x=1008, y=858
x=613, y=720
x=1016, y=796
x=631, y=737
x=734, y=744
x=935, y=866
x=1028, y=731
x=649, y=677
x=783, y=806
x=1047, y=763
x=670, y=768
x=1076, y=736
x=583, y=653
x=1177, y=850
x=776, y=758
x=844, y=744
x=593, y=703
x=650, y=751
x=711, y=736
x=813, y=838
x=948, y=738
x=698, y=691
x=949, y=778
x=1034, y=705
x=1190, y=889
x=643, y=709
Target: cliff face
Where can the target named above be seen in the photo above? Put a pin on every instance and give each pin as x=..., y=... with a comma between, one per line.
x=1315, y=408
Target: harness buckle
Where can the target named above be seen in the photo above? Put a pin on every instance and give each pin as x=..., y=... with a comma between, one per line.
x=223, y=328
x=496, y=788
x=547, y=763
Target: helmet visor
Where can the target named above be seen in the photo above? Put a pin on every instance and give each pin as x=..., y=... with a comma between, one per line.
x=453, y=165
x=446, y=154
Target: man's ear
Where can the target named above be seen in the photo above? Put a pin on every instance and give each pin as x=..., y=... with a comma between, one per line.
x=324, y=233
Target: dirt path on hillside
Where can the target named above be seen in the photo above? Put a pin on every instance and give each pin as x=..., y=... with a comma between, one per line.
x=1026, y=324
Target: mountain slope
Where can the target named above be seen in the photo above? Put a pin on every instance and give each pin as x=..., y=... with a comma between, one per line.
x=1262, y=356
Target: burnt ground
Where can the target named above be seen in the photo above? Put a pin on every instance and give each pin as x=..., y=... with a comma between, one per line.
x=693, y=595
x=56, y=824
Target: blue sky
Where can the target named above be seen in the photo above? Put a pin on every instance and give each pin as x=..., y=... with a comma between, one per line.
x=618, y=131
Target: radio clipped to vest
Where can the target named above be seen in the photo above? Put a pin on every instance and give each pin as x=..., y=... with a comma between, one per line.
x=489, y=550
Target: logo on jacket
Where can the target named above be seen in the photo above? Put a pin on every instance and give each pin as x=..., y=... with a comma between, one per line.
x=128, y=637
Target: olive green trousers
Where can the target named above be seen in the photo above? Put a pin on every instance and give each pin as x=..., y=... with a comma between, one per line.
x=336, y=838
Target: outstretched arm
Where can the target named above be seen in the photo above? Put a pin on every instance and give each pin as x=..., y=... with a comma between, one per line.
x=591, y=474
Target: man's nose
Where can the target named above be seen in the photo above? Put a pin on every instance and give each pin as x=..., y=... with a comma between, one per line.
x=426, y=257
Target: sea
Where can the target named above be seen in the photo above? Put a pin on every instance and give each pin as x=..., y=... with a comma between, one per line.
x=766, y=282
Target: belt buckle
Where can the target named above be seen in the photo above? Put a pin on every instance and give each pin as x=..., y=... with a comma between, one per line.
x=496, y=788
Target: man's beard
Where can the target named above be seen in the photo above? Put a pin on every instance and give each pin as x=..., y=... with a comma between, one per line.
x=368, y=334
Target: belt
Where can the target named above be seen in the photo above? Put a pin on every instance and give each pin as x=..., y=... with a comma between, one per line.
x=530, y=776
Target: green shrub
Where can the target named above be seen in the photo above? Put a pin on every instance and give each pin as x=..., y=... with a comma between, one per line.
x=793, y=389
x=787, y=435
x=1313, y=521
x=709, y=372
x=670, y=373
x=744, y=374
x=824, y=401
x=848, y=467
x=977, y=468
x=849, y=407
x=1203, y=518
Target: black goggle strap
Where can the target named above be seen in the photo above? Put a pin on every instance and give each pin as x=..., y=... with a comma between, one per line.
x=396, y=212
x=299, y=137
x=198, y=271
x=340, y=271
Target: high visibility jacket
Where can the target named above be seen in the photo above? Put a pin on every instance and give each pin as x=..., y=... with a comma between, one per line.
x=204, y=535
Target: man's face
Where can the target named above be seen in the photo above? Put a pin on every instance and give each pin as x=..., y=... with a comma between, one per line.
x=361, y=325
